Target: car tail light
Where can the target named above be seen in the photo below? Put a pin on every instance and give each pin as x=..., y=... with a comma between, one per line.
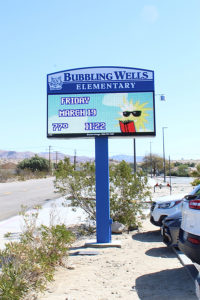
x=194, y=241
x=194, y=204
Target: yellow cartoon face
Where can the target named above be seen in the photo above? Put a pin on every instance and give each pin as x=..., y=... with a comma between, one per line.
x=133, y=116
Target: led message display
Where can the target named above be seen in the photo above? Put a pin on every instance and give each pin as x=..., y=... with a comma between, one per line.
x=77, y=107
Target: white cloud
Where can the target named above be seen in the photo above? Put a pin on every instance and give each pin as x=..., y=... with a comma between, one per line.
x=114, y=100
x=150, y=13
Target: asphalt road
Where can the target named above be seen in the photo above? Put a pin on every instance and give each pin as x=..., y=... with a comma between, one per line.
x=28, y=193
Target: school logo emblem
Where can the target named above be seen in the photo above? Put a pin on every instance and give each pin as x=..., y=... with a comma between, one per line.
x=55, y=83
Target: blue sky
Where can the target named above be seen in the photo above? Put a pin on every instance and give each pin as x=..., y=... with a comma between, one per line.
x=41, y=37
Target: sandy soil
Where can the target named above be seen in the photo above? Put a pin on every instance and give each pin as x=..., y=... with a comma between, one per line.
x=143, y=268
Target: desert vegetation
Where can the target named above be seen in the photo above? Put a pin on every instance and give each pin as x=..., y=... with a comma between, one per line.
x=196, y=173
x=29, y=168
x=153, y=164
x=27, y=265
x=127, y=190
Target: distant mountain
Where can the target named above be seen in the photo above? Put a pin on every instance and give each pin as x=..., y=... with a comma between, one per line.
x=14, y=155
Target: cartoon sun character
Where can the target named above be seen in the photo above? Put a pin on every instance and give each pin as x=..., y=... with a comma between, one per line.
x=133, y=116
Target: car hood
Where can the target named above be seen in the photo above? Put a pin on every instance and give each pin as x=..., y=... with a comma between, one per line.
x=174, y=197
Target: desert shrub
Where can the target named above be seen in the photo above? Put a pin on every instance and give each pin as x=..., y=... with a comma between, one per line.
x=196, y=173
x=35, y=163
x=28, y=174
x=29, y=264
x=5, y=175
x=78, y=184
x=127, y=190
x=181, y=170
x=195, y=182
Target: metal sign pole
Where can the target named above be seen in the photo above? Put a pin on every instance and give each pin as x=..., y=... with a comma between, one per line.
x=103, y=221
x=134, y=153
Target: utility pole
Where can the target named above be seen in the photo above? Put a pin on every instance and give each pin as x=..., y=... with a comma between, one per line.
x=170, y=182
x=56, y=158
x=75, y=159
x=151, y=158
x=134, y=151
x=163, y=130
x=50, y=159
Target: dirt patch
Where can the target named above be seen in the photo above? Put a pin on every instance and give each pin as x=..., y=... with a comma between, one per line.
x=142, y=269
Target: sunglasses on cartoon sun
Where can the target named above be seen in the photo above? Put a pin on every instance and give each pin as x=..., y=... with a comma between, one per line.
x=135, y=113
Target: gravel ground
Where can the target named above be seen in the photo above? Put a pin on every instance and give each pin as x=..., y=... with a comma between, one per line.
x=143, y=268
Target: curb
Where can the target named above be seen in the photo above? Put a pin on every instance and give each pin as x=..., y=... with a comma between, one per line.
x=192, y=269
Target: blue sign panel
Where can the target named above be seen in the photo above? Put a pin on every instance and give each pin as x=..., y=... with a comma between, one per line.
x=106, y=101
x=100, y=80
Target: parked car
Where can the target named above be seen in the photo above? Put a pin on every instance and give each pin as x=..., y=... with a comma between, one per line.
x=189, y=235
x=166, y=206
x=170, y=229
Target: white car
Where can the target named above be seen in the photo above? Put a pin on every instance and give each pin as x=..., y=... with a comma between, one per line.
x=189, y=235
x=168, y=205
x=164, y=207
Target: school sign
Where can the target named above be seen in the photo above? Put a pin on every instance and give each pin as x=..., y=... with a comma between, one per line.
x=100, y=101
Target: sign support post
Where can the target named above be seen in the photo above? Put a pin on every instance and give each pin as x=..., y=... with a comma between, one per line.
x=103, y=221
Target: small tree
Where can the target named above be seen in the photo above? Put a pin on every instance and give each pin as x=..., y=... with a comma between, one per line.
x=34, y=164
x=154, y=162
x=127, y=191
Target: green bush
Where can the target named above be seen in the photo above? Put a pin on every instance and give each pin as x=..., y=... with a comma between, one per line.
x=195, y=182
x=34, y=164
x=196, y=173
x=127, y=191
x=78, y=184
x=29, y=264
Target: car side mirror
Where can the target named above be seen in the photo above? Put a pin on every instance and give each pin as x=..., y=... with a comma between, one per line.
x=190, y=197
